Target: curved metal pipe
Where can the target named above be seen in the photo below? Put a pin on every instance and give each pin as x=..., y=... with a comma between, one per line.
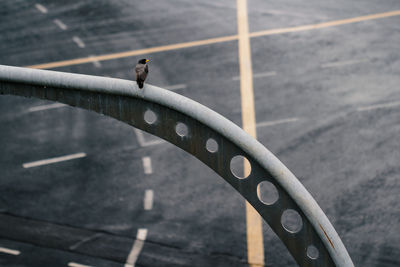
x=122, y=100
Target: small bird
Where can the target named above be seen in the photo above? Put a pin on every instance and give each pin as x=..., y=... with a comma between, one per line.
x=141, y=72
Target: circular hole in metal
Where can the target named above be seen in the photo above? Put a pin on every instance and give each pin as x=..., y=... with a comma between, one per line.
x=267, y=193
x=312, y=252
x=240, y=167
x=291, y=221
x=150, y=117
x=181, y=129
x=212, y=145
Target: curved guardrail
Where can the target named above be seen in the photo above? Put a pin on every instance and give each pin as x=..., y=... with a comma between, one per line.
x=208, y=136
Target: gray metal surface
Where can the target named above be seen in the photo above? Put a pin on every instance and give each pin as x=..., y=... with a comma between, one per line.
x=122, y=100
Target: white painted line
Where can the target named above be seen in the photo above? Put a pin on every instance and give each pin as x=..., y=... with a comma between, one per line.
x=95, y=62
x=148, y=199
x=60, y=24
x=10, y=251
x=258, y=75
x=45, y=107
x=143, y=143
x=271, y=123
x=175, y=87
x=147, y=165
x=136, y=248
x=78, y=41
x=53, y=160
x=41, y=8
x=386, y=105
x=343, y=63
x=74, y=264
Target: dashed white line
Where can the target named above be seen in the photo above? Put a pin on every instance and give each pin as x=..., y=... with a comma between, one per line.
x=271, y=123
x=343, y=63
x=136, y=248
x=143, y=143
x=148, y=199
x=175, y=87
x=60, y=24
x=78, y=41
x=53, y=160
x=378, y=106
x=74, y=264
x=147, y=165
x=10, y=251
x=95, y=62
x=258, y=75
x=41, y=8
x=45, y=107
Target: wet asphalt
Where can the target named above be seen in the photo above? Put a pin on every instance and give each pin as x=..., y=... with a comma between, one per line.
x=331, y=94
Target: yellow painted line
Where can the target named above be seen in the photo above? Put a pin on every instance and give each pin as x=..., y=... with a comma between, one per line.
x=255, y=243
x=132, y=53
x=325, y=24
x=163, y=48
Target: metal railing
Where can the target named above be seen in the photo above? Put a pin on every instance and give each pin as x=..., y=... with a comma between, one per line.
x=208, y=136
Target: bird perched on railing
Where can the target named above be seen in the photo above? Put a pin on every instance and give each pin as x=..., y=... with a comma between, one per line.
x=142, y=69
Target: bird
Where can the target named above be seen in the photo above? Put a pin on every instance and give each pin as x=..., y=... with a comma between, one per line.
x=142, y=69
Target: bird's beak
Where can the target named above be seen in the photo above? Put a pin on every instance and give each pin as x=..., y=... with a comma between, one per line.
x=147, y=60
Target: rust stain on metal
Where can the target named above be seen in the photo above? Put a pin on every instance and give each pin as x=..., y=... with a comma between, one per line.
x=330, y=241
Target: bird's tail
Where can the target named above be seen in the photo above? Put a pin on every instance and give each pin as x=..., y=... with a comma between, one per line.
x=140, y=84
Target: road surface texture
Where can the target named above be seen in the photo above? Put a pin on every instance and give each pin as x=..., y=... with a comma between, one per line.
x=327, y=103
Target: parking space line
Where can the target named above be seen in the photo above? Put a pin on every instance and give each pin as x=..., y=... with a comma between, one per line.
x=379, y=106
x=271, y=123
x=45, y=107
x=343, y=63
x=53, y=160
x=216, y=40
x=147, y=165
x=60, y=24
x=41, y=8
x=148, y=199
x=175, y=87
x=10, y=251
x=95, y=62
x=74, y=264
x=258, y=75
x=136, y=248
x=255, y=243
x=81, y=44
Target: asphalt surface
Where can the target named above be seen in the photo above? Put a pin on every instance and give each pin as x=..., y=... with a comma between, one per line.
x=326, y=101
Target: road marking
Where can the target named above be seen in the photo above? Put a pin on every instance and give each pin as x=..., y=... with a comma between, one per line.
x=53, y=160
x=95, y=62
x=148, y=199
x=136, y=248
x=147, y=165
x=74, y=264
x=41, y=8
x=143, y=143
x=81, y=44
x=255, y=243
x=343, y=63
x=85, y=240
x=45, y=107
x=271, y=123
x=229, y=38
x=60, y=24
x=378, y=106
x=175, y=87
x=10, y=251
x=325, y=24
x=258, y=75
